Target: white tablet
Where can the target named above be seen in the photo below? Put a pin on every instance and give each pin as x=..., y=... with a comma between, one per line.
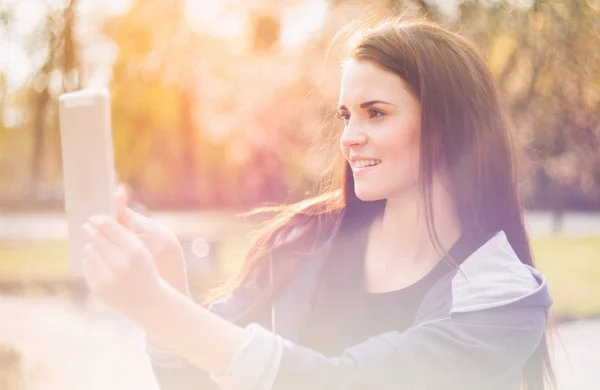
x=88, y=163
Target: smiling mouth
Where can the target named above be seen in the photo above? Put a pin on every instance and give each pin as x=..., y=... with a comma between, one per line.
x=362, y=165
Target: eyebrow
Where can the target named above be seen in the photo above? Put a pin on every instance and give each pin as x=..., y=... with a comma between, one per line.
x=366, y=104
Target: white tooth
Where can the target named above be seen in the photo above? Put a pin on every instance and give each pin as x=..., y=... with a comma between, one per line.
x=372, y=162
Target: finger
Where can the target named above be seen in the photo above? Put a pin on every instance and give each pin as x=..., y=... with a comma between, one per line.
x=121, y=195
x=94, y=271
x=121, y=199
x=116, y=233
x=106, y=249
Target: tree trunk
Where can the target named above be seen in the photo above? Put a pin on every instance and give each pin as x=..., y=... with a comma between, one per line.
x=188, y=189
x=38, y=142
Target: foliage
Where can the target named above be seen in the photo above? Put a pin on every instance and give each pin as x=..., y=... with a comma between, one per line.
x=231, y=109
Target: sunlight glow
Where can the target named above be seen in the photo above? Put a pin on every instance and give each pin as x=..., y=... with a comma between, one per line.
x=200, y=248
x=210, y=16
x=301, y=20
x=214, y=17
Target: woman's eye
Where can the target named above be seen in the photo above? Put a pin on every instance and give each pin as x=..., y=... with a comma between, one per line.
x=375, y=113
x=343, y=116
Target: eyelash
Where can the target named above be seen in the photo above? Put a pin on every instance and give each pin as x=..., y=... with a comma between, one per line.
x=373, y=113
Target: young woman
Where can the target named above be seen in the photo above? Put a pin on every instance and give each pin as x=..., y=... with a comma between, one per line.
x=416, y=274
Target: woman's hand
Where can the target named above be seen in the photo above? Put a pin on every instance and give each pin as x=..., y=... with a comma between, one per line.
x=121, y=272
x=119, y=269
x=161, y=242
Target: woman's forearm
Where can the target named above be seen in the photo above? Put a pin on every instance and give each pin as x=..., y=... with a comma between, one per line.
x=120, y=270
x=177, y=323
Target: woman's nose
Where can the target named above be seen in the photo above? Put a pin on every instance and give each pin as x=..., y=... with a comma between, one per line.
x=351, y=137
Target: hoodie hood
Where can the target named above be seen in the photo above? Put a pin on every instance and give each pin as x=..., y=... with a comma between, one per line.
x=492, y=277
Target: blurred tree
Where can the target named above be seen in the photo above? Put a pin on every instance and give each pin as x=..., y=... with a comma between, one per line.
x=154, y=140
x=57, y=74
x=265, y=32
x=222, y=127
x=51, y=45
x=230, y=110
x=546, y=59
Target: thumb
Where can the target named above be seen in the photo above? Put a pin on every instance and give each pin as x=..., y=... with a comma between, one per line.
x=121, y=203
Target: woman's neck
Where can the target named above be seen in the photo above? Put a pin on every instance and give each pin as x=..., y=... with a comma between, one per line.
x=402, y=229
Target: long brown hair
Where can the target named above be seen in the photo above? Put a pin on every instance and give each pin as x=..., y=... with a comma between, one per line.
x=463, y=128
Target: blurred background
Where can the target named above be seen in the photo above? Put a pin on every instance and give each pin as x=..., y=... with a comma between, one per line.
x=220, y=106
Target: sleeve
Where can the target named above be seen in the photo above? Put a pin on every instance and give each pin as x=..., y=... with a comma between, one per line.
x=173, y=372
x=478, y=350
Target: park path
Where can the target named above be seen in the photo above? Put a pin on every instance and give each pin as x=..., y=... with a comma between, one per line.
x=93, y=348
x=576, y=348
x=213, y=224
x=67, y=347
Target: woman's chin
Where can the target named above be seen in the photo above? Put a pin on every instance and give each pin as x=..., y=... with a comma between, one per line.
x=368, y=195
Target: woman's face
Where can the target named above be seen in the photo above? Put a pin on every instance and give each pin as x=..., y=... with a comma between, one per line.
x=382, y=127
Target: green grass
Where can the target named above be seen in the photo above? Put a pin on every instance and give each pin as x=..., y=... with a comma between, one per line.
x=571, y=265
x=43, y=259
